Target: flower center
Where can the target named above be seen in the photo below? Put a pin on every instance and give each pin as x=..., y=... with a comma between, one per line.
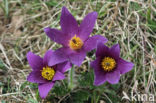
x=48, y=73
x=108, y=64
x=75, y=43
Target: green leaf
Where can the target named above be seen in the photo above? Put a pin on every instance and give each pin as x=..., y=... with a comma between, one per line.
x=2, y=6
x=31, y=100
x=61, y=90
x=24, y=85
x=1, y=84
x=80, y=96
x=87, y=79
x=51, y=3
x=2, y=66
x=116, y=86
x=103, y=10
x=3, y=101
x=6, y=6
x=38, y=95
x=33, y=85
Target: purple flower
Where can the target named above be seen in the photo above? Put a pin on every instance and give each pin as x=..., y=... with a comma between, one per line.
x=43, y=74
x=74, y=39
x=109, y=65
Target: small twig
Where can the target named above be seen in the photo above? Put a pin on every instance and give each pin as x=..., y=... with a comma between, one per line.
x=7, y=94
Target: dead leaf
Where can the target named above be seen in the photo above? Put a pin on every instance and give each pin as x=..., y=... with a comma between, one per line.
x=17, y=22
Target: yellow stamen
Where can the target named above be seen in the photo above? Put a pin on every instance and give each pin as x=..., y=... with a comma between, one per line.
x=48, y=73
x=75, y=43
x=108, y=64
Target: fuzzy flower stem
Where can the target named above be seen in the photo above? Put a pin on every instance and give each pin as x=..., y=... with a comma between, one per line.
x=71, y=77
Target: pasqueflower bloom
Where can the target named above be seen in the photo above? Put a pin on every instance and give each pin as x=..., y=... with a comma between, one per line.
x=74, y=39
x=109, y=65
x=43, y=74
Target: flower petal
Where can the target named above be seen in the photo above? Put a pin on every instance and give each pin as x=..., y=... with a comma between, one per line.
x=101, y=50
x=47, y=56
x=100, y=76
x=57, y=36
x=59, y=56
x=35, y=77
x=77, y=57
x=35, y=61
x=58, y=76
x=113, y=77
x=45, y=88
x=115, y=51
x=124, y=66
x=68, y=23
x=87, y=25
x=63, y=67
x=91, y=43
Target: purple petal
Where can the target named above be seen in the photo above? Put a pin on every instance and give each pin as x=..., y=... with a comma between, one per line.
x=35, y=77
x=35, y=61
x=113, y=77
x=68, y=23
x=58, y=76
x=100, y=75
x=77, y=57
x=95, y=64
x=63, y=67
x=47, y=56
x=87, y=25
x=45, y=88
x=59, y=56
x=101, y=49
x=124, y=66
x=57, y=36
x=91, y=43
x=115, y=51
